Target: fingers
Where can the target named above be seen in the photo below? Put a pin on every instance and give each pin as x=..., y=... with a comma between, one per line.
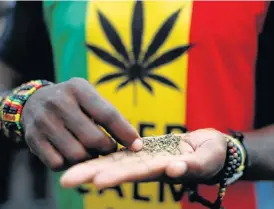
x=88, y=133
x=105, y=114
x=117, y=168
x=84, y=172
x=58, y=118
x=66, y=144
x=44, y=150
x=136, y=171
x=62, y=140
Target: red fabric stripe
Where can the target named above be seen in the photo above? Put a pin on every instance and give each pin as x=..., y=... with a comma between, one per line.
x=220, y=92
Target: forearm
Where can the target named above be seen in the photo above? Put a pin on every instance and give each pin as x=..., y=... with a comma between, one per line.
x=260, y=150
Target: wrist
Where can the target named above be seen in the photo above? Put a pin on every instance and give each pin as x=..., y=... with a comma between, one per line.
x=12, y=106
x=234, y=165
x=241, y=155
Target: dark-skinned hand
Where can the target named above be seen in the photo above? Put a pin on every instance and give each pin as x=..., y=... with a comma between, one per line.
x=61, y=121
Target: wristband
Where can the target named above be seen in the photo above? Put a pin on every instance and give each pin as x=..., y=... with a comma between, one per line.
x=236, y=160
x=12, y=106
x=237, y=139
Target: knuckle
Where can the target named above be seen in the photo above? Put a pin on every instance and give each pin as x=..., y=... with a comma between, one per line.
x=40, y=120
x=81, y=86
x=59, y=103
x=75, y=82
x=91, y=141
x=97, y=140
x=53, y=102
x=108, y=116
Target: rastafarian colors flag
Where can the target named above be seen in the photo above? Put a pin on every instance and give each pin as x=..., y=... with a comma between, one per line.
x=165, y=65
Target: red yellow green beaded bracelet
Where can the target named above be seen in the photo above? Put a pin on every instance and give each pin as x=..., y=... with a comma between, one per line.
x=12, y=106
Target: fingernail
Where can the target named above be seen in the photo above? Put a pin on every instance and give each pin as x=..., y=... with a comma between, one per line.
x=176, y=169
x=137, y=145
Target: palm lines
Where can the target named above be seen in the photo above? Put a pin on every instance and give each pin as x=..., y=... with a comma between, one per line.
x=138, y=66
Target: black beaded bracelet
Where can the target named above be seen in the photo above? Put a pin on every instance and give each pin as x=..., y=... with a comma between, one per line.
x=233, y=169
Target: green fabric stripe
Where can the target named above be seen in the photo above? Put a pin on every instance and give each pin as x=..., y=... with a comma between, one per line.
x=68, y=42
x=68, y=39
x=65, y=199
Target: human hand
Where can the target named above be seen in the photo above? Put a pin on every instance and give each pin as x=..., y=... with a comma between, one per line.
x=60, y=124
x=194, y=157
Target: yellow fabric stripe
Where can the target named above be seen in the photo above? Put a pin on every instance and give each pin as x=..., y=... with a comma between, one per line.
x=152, y=114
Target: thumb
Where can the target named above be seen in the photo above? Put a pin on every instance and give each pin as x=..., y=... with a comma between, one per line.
x=176, y=169
x=205, y=162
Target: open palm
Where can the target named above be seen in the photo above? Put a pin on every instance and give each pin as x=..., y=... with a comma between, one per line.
x=199, y=156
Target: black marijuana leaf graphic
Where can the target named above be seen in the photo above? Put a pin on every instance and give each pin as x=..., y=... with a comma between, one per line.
x=141, y=68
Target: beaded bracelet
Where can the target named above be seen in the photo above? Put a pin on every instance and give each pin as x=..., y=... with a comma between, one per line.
x=234, y=166
x=12, y=106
